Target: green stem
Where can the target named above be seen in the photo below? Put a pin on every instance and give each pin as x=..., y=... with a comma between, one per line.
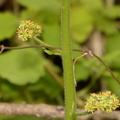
x=41, y=42
x=51, y=50
x=70, y=104
x=82, y=113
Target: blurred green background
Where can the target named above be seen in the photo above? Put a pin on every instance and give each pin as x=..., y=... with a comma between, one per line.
x=32, y=76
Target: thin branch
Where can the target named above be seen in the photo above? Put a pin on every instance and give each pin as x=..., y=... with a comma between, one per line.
x=74, y=65
x=2, y=47
x=51, y=112
x=79, y=57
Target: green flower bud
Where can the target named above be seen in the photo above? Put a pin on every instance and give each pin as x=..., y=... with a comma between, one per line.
x=28, y=29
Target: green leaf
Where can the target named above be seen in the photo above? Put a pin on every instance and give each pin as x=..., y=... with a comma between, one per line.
x=112, y=59
x=22, y=66
x=105, y=24
x=7, y=88
x=112, y=84
x=39, y=4
x=113, y=42
x=113, y=12
x=81, y=23
x=75, y=54
x=52, y=52
x=93, y=4
x=82, y=69
x=48, y=84
x=51, y=34
x=8, y=25
x=47, y=17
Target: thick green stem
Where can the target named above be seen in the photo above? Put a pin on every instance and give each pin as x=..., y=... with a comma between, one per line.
x=69, y=86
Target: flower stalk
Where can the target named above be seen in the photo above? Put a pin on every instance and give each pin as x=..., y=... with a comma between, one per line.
x=69, y=86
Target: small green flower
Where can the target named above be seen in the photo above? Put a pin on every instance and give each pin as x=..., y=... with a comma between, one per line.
x=28, y=29
x=104, y=101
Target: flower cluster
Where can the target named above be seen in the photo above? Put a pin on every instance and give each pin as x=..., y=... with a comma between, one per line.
x=104, y=101
x=28, y=29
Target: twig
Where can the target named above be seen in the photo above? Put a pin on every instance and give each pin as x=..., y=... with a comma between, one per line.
x=74, y=65
x=2, y=47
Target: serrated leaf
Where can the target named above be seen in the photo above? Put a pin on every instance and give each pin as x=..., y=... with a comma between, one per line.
x=81, y=23
x=22, y=66
x=8, y=25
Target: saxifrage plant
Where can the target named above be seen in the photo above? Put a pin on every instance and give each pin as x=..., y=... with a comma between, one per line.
x=28, y=29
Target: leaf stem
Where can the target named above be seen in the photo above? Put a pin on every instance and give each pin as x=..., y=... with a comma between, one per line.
x=41, y=42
